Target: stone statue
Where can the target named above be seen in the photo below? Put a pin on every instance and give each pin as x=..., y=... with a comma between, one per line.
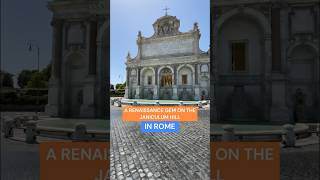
x=139, y=36
x=299, y=106
x=195, y=26
x=167, y=28
x=129, y=56
x=166, y=80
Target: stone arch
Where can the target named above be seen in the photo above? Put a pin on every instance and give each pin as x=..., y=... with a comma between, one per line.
x=299, y=44
x=254, y=14
x=303, y=73
x=304, y=53
x=145, y=72
x=148, y=68
x=159, y=73
x=186, y=65
x=251, y=29
x=166, y=77
x=192, y=70
x=162, y=67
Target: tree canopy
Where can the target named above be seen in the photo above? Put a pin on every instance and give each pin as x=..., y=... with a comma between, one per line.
x=33, y=79
x=6, y=79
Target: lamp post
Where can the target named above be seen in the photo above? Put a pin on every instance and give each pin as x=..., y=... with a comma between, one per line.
x=31, y=46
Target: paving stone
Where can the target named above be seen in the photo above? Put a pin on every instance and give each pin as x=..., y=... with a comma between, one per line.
x=151, y=155
x=135, y=175
x=149, y=174
x=157, y=174
x=142, y=175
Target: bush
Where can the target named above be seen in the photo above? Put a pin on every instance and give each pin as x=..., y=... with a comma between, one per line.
x=117, y=93
x=24, y=97
x=35, y=92
x=6, y=79
x=37, y=81
x=24, y=77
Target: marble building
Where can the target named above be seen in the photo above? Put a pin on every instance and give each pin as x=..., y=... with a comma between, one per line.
x=80, y=57
x=169, y=64
x=265, y=60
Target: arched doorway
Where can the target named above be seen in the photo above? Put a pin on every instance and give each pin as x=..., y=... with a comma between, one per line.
x=185, y=83
x=148, y=80
x=303, y=93
x=240, y=55
x=166, y=82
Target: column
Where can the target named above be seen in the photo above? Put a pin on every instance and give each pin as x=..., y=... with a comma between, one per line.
x=56, y=47
x=175, y=84
x=155, y=88
x=138, y=87
x=52, y=108
x=93, y=32
x=276, y=39
x=127, y=89
x=156, y=68
x=139, y=71
x=196, y=74
x=128, y=77
x=196, y=85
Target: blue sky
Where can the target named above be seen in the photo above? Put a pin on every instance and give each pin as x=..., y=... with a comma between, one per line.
x=30, y=20
x=22, y=21
x=130, y=16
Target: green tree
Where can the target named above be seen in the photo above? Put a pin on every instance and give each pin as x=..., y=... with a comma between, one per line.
x=37, y=81
x=6, y=79
x=24, y=77
x=120, y=86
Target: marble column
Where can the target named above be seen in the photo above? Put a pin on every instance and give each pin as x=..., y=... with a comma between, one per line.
x=139, y=74
x=53, y=106
x=175, y=74
x=138, y=87
x=127, y=89
x=196, y=75
x=92, y=46
x=196, y=83
x=57, y=25
x=155, y=88
x=156, y=69
x=175, y=84
x=276, y=39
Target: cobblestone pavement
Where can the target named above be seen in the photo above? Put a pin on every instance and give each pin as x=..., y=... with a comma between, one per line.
x=183, y=155
x=301, y=163
x=157, y=156
x=19, y=161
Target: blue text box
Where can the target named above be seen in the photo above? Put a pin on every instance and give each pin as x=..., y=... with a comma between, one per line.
x=159, y=127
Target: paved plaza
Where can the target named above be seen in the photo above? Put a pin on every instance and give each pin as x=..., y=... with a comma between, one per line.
x=183, y=155
x=158, y=155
